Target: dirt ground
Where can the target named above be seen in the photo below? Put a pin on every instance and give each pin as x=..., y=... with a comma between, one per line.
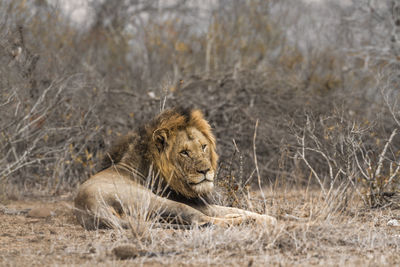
x=45, y=233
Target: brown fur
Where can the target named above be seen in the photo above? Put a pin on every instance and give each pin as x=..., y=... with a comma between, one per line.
x=177, y=148
x=139, y=150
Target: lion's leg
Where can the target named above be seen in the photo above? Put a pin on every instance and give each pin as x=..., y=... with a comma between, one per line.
x=225, y=212
x=183, y=213
x=101, y=204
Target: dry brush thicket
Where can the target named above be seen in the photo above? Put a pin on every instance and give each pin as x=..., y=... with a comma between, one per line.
x=285, y=111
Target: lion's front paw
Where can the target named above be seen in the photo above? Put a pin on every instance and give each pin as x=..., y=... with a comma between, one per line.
x=264, y=219
x=260, y=219
x=234, y=216
x=229, y=220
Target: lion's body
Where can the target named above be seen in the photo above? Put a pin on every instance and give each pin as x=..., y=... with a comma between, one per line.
x=169, y=166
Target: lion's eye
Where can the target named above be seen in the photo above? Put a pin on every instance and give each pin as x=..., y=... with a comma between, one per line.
x=185, y=152
x=203, y=147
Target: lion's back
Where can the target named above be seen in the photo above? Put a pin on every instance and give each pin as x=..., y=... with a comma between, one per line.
x=118, y=150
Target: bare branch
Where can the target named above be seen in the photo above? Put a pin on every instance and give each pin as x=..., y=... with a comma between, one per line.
x=382, y=155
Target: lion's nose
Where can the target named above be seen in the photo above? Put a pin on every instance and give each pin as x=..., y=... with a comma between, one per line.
x=203, y=171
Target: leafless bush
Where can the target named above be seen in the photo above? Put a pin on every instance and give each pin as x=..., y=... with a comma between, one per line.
x=338, y=152
x=67, y=92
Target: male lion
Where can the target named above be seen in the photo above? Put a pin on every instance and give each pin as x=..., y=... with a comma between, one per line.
x=177, y=151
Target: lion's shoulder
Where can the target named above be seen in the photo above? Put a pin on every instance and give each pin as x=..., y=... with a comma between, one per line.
x=118, y=149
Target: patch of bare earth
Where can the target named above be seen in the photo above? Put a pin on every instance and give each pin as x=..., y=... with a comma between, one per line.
x=310, y=232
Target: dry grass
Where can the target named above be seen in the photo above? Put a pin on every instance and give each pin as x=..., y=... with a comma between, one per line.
x=309, y=233
x=327, y=142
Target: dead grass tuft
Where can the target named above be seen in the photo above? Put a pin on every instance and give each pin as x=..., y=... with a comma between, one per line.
x=308, y=233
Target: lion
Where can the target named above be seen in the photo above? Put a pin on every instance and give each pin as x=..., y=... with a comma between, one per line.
x=177, y=150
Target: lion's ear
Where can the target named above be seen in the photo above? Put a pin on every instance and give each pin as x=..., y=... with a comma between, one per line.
x=160, y=137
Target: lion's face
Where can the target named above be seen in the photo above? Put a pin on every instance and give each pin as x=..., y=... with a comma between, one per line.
x=191, y=154
x=187, y=163
x=183, y=150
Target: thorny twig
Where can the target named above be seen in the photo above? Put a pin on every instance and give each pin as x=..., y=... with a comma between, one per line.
x=255, y=160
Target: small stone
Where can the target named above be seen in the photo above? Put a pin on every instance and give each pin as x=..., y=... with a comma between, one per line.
x=393, y=222
x=52, y=232
x=40, y=212
x=124, y=252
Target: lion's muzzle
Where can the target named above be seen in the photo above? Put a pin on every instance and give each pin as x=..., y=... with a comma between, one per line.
x=202, y=183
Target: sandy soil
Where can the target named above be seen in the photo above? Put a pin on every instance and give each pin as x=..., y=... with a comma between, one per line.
x=45, y=233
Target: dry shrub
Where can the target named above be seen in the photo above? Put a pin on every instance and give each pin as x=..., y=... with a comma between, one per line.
x=66, y=92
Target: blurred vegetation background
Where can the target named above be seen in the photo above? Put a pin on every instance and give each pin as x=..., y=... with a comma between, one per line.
x=298, y=92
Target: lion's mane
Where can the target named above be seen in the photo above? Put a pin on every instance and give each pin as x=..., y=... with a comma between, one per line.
x=147, y=149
